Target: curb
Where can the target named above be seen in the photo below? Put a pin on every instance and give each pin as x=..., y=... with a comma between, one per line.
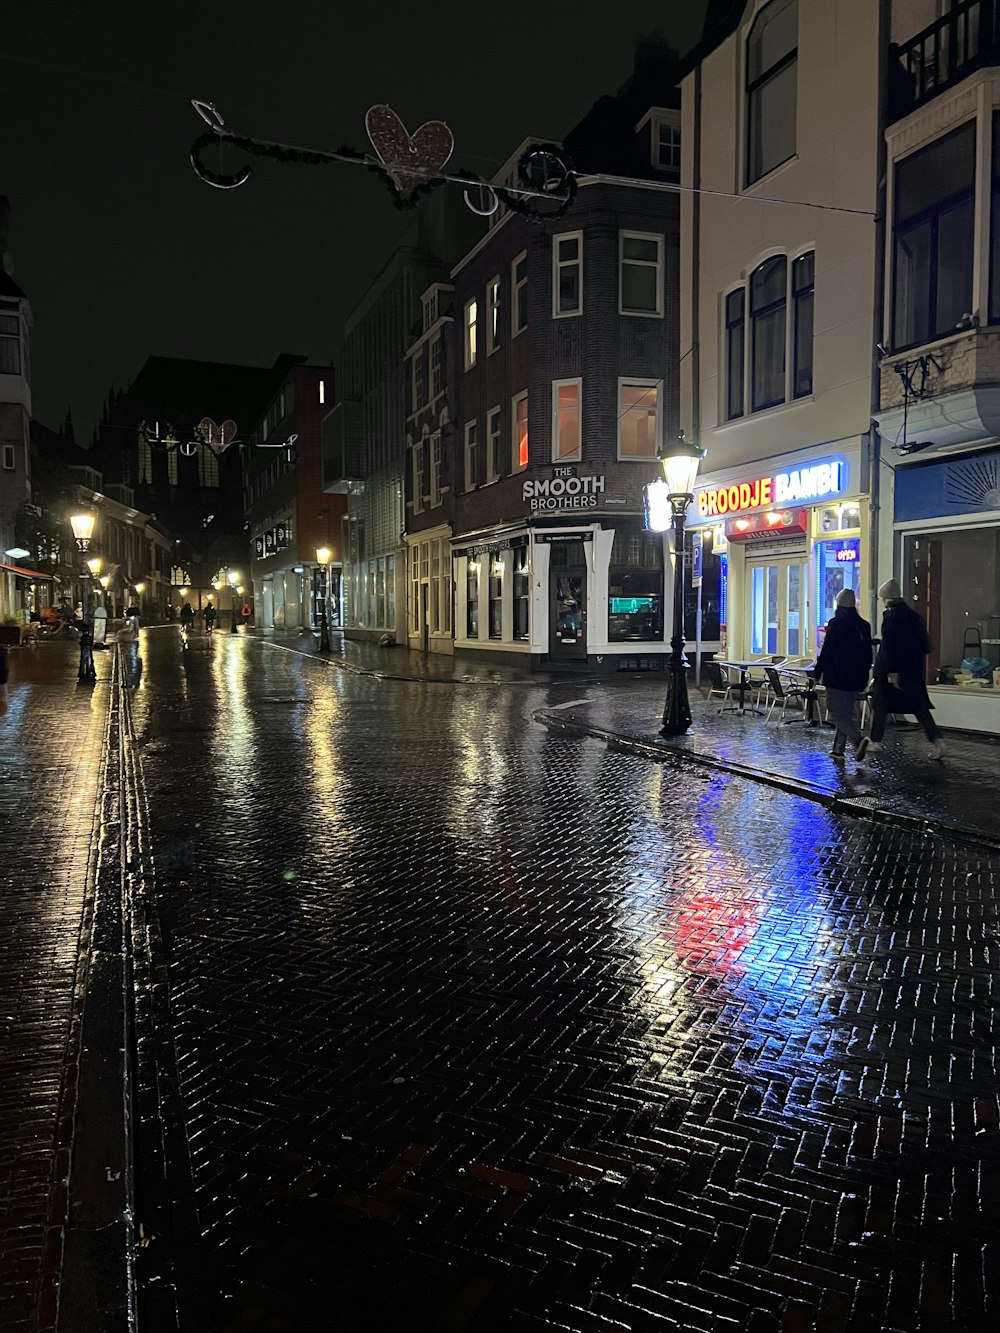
x=858, y=807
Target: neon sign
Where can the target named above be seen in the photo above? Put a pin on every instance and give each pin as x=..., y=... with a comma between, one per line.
x=818, y=481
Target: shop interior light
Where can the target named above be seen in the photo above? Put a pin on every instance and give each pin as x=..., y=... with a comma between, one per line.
x=17, y=553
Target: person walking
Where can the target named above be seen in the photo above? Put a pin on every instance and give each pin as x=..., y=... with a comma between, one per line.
x=900, y=674
x=187, y=616
x=210, y=615
x=844, y=665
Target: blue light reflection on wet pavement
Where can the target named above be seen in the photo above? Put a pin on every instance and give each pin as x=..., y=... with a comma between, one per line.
x=480, y=1023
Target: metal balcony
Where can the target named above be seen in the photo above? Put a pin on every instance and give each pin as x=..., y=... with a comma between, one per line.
x=942, y=55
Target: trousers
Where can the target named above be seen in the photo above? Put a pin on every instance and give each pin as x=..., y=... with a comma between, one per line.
x=841, y=706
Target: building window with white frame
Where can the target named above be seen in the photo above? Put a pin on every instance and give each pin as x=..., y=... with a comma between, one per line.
x=471, y=318
x=775, y=341
x=9, y=461
x=519, y=432
x=492, y=315
x=803, y=288
x=493, y=444
x=496, y=596
x=638, y=418
x=640, y=273
x=771, y=78
x=567, y=398
x=666, y=144
x=471, y=452
x=768, y=332
x=419, y=379
x=521, y=590
x=429, y=310
x=567, y=274
x=735, y=352
x=519, y=294
x=437, y=367
x=435, y=451
x=419, y=464
x=10, y=344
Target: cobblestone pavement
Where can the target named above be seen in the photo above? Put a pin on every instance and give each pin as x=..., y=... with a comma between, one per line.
x=478, y=1025
x=52, y=733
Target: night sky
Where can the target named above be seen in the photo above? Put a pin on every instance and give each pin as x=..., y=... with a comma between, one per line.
x=124, y=253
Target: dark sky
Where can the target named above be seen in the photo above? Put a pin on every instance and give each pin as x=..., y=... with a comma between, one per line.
x=124, y=253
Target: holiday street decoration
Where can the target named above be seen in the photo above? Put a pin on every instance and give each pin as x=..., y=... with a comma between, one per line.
x=410, y=165
x=218, y=438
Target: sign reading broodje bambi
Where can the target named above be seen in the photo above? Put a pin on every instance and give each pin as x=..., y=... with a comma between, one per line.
x=565, y=489
x=817, y=481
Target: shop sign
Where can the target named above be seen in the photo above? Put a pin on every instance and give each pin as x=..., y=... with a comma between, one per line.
x=818, y=481
x=280, y=536
x=258, y=548
x=697, y=555
x=558, y=537
x=565, y=489
x=269, y=542
x=847, y=552
x=775, y=523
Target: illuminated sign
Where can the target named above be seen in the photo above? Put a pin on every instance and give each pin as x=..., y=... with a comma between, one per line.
x=774, y=523
x=563, y=490
x=847, y=552
x=819, y=481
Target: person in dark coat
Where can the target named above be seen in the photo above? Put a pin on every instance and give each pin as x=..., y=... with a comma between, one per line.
x=844, y=665
x=900, y=672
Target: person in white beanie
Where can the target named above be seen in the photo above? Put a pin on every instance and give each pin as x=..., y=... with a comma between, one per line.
x=900, y=672
x=844, y=665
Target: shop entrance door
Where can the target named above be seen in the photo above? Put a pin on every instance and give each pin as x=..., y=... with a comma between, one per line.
x=567, y=602
x=777, y=611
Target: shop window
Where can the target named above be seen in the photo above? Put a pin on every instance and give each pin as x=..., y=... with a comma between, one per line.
x=567, y=273
x=735, y=352
x=640, y=273
x=496, y=598
x=767, y=332
x=772, y=75
x=710, y=593
x=835, y=518
x=933, y=236
x=414, y=590
x=566, y=396
x=838, y=566
x=635, y=587
x=953, y=579
x=472, y=600
x=803, y=281
x=521, y=589
x=638, y=418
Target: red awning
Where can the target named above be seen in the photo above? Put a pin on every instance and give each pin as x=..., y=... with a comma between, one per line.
x=27, y=573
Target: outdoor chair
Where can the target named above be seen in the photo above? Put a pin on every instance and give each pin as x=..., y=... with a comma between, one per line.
x=719, y=686
x=780, y=692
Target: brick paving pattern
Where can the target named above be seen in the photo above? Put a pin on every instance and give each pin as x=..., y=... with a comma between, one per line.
x=482, y=1026
x=51, y=741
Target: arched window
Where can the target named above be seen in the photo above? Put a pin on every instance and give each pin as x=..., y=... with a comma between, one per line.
x=768, y=301
x=772, y=51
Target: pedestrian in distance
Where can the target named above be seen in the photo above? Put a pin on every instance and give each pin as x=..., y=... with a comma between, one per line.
x=844, y=665
x=900, y=672
x=132, y=617
x=210, y=615
x=187, y=616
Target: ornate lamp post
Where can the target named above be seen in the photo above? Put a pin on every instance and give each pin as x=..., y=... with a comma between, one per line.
x=323, y=554
x=82, y=524
x=673, y=495
x=234, y=578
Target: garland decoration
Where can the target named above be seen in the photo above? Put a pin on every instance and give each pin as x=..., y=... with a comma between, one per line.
x=410, y=166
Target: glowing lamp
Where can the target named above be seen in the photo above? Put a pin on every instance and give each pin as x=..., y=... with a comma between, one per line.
x=680, y=465
x=82, y=524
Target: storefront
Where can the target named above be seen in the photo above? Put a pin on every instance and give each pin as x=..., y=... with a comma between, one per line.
x=563, y=593
x=947, y=526
x=778, y=543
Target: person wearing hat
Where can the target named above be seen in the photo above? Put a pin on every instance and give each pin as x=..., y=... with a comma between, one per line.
x=900, y=672
x=844, y=664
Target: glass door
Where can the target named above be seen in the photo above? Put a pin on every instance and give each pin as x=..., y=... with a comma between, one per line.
x=777, y=614
x=567, y=602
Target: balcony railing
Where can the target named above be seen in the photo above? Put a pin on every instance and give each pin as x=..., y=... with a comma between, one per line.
x=965, y=39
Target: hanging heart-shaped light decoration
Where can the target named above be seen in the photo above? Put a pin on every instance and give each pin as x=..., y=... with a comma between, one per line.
x=410, y=159
x=218, y=438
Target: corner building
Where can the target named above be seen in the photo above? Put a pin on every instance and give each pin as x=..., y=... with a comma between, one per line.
x=566, y=387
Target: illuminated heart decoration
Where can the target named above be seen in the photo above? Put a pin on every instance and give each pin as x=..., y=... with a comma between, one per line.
x=218, y=438
x=410, y=159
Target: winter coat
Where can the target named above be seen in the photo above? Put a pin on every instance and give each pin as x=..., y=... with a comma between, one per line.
x=845, y=660
x=903, y=651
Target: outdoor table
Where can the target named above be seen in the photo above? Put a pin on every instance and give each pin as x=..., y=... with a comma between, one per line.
x=744, y=667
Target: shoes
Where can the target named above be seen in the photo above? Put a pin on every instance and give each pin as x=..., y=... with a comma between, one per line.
x=837, y=754
x=861, y=749
x=937, y=751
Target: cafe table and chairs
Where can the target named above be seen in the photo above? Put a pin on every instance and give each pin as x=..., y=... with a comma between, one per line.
x=747, y=682
x=799, y=674
x=720, y=686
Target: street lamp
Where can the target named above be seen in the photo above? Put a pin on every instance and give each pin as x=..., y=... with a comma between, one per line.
x=673, y=494
x=82, y=524
x=234, y=578
x=323, y=555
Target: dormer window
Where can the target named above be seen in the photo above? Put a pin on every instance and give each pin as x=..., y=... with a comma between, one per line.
x=665, y=144
x=430, y=311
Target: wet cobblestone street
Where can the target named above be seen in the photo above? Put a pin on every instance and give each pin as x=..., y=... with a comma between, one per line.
x=482, y=1026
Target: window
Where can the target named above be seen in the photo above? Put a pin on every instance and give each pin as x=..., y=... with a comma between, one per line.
x=767, y=332
x=492, y=315
x=208, y=466
x=640, y=282
x=566, y=396
x=414, y=589
x=933, y=238
x=419, y=464
x=635, y=587
x=567, y=273
x=437, y=367
x=429, y=307
x=435, y=469
x=772, y=53
x=666, y=144
x=995, y=226
x=735, y=351
x=8, y=458
x=519, y=432
x=472, y=599
x=419, y=379
x=471, y=441
x=496, y=597
x=10, y=344
x=471, y=316
x=322, y=391
x=519, y=295
x=638, y=418
x=803, y=279
x=522, y=583
x=493, y=438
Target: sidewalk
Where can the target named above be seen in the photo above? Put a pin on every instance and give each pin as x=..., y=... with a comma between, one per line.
x=958, y=796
